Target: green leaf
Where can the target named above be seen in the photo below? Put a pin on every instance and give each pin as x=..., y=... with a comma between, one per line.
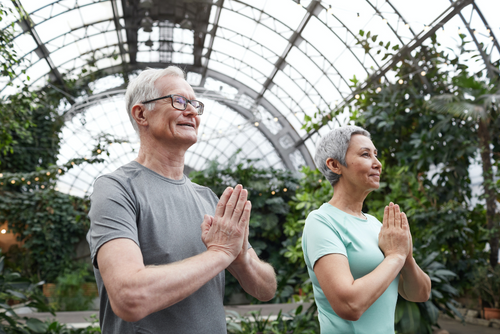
x=36, y=325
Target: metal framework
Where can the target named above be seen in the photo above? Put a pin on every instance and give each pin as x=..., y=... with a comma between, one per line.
x=276, y=62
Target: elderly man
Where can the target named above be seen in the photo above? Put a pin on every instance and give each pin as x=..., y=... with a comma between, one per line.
x=157, y=271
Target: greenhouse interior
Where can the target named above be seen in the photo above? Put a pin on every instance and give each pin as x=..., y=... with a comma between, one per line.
x=281, y=83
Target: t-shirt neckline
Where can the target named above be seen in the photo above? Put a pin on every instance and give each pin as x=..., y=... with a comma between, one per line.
x=152, y=172
x=345, y=213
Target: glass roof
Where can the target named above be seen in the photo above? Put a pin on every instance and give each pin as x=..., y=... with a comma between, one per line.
x=260, y=65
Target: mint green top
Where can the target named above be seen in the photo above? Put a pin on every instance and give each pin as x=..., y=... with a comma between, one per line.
x=329, y=230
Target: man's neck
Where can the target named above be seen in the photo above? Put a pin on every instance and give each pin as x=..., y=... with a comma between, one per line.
x=165, y=161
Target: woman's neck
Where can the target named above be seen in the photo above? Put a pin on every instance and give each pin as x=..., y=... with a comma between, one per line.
x=348, y=200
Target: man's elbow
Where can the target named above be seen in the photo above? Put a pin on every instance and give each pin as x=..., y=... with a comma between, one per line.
x=267, y=295
x=129, y=305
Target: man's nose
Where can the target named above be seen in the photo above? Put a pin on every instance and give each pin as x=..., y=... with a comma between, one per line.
x=190, y=110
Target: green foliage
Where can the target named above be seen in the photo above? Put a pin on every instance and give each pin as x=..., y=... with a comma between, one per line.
x=419, y=318
x=70, y=294
x=49, y=224
x=487, y=285
x=294, y=323
x=269, y=190
x=55, y=327
x=14, y=288
x=15, y=122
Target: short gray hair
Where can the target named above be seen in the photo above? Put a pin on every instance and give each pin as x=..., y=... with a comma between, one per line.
x=143, y=88
x=334, y=145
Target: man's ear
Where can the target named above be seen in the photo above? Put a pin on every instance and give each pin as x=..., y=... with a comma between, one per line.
x=334, y=166
x=138, y=113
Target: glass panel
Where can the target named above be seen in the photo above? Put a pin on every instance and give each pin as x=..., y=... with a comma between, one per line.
x=291, y=16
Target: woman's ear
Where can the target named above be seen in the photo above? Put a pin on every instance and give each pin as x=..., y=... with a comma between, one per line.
x=333, y=165
x=138, y=113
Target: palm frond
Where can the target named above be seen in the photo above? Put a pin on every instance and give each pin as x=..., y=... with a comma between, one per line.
x=453, y=105
x=491, y=101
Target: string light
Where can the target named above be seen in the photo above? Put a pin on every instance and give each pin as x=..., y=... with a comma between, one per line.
x=275, y=119
x=13, y=181
x=401, y=81
x=426, y=28
x=3, y=231
x=273, y=192
x=99, y=151
x=423, y=73
x=72, y=163
x=356, y=96
x=407, y=25
x=285, y=190
x=239, y=126
x=43, y=187
x=36, y=179
x=298, y=3
x=1, y=175
x=358, y=16
x=28, y=183
x=48, y=173
x=22, y=179
x=330, y=9
x=256, y=123
x=378, y=90
x=319, y=180
x=59, y=171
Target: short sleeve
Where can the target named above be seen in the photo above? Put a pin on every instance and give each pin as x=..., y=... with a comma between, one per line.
x=112, y=215
x=320, y=238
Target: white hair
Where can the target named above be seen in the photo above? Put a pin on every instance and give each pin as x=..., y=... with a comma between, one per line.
x=334, y=145
x=143, y=88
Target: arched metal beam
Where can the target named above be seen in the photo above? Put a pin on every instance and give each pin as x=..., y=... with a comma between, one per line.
x=274, y=139
x=487, y=63
x=441, y=20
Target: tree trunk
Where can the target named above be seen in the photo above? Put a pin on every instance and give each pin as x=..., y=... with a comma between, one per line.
x=489, y=190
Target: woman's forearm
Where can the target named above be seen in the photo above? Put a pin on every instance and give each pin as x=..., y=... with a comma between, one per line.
x=414, y=284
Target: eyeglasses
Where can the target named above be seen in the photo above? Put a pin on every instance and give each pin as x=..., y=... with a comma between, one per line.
x=179, y=102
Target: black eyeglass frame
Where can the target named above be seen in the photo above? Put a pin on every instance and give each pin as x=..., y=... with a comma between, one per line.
x=200, y=110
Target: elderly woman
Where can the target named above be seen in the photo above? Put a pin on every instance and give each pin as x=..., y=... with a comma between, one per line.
x=358, y=265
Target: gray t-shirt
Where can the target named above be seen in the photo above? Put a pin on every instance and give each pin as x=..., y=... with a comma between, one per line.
x=163, y=217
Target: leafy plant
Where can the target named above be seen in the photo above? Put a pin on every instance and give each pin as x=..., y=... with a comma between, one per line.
x=70, y=294
x=49, y=224
x=15, y=289
x=419, y=318
x=294, y=322
x=487, y=285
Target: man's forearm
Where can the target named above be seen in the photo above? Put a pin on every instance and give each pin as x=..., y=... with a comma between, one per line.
x=142, y=291
x=256, y=277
